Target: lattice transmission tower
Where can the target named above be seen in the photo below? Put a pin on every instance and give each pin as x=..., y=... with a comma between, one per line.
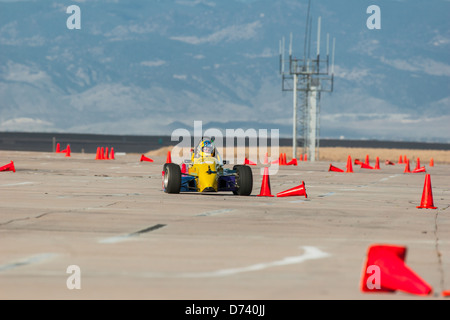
x=309, y=76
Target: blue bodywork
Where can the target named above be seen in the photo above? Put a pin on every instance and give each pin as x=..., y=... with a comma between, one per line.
x=226, y=182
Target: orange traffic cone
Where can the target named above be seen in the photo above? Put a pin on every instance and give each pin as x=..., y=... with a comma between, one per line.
x=301, y=157
x=144, y=158
x=68, y=151
x=446, y=293
x=427, y=195
x=367, y=160
x=385, y=271
x=349, y=164
x=421, y=169
x=418, y=163
x=8, y=167
x=400, y=160
x=246, y=161
x=377, y=164
x=58, y=148
x=97, y=156
x=296, y=191
x=431, y=162
x=293, y=162
x=107, y=153
x=357, y=161
x=265, y=185
x=112, y=154
x=366, y=166
x=169, y=157
x=407, y=169
x=281, y=160
x=305, y=157
x=333, y=168
x=389, y=163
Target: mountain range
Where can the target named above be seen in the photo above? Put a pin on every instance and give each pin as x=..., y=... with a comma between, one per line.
x=149, y=67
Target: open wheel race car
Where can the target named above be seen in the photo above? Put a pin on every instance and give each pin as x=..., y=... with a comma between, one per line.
x=205, y=172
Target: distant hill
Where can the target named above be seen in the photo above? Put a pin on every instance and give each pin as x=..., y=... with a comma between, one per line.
x=139, y=67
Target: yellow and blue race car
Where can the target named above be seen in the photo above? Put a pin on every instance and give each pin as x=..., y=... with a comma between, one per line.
x=205, y=172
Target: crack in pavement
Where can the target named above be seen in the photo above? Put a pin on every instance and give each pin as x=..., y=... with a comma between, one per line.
x=438, y=252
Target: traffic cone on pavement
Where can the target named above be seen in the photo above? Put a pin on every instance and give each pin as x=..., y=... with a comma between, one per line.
x=431, y=162
x=112, y=154
x=247, y=161
x=58, y=148
x=427, y=195
x=68, y=151
x=97, y=155
x=377, y=164
x=293, y=162
x=407, y=169
x=144, y=158
x=385, y=271
x=335, y=169
x=296, y=191
x=400, y=160
x=366, y=166
x=8, y=167
x=265, y=185
x=418, y=163
x=169, y=157
x=349, y=164
x=367, y=160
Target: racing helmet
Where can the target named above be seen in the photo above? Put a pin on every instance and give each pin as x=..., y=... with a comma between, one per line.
x=206, y=149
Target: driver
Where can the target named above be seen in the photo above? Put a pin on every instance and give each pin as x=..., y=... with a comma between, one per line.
x=207, y=149
x=205, y=153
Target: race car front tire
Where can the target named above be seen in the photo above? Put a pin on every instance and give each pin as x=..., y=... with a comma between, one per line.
x=244, y=180
x=172, y=178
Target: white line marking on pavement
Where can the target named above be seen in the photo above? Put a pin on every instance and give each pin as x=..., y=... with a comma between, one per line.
x=310, y=253
x=390, y=177
x=16, y=184
x=214, y=212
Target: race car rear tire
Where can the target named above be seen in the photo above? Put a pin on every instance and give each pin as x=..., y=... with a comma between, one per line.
x=244, y=180
x=172, y=178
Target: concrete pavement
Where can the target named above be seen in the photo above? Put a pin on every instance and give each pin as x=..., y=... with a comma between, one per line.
x=130, y=240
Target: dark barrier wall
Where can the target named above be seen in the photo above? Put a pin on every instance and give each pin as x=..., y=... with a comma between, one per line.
x=88, y=143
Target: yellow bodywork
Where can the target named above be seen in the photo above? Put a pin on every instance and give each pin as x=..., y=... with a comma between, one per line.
x=205, y=169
